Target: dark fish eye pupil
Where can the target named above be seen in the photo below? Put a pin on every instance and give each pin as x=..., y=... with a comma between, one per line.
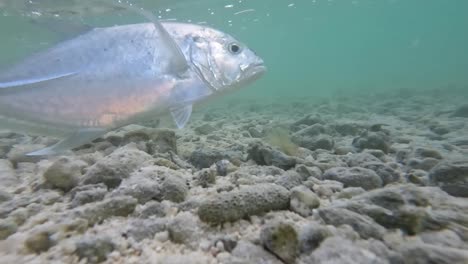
x=234, y=48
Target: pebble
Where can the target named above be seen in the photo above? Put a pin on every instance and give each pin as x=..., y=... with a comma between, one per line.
x=452, y=177
x=64, y=173
x=112, y=169
x=354, y=177
x=247, y=201
x=281, y=239
x=303, y=201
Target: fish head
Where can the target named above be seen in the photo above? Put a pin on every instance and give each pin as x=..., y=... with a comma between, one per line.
x=224, y=62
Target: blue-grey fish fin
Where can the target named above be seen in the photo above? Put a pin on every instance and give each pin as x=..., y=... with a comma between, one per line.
x=178, y=64
x=76, y=139
x=181, y=115
x=13, y=84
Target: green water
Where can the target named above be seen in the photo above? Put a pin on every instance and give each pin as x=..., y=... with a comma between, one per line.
x=312, y=47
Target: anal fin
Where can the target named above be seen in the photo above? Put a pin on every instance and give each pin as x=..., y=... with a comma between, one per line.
x=76, y=139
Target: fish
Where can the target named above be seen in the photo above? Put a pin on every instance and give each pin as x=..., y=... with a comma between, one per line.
x=110, y=77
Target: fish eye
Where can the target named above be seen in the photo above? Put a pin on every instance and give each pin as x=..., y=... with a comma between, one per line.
x=234, y=48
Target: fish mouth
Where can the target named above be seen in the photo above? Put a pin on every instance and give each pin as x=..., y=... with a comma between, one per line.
x=253, y=73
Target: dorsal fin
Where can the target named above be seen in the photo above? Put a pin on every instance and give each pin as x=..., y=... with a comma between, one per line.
x=178, y=63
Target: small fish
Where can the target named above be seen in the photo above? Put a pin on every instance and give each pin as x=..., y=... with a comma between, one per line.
x=111, y=77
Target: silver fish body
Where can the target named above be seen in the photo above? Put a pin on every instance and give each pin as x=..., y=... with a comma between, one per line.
x=110, y=77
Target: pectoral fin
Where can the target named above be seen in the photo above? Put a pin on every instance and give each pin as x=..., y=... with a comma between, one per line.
x=181, y=115
x=182, y=98
x=77, y=139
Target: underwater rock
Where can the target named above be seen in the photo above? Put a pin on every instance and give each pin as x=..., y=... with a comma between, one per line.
x=354, y=177
x=7, y=228
x=365, y=226
x=174, y=189
x=308, y=120
x=372, y=140
x=419, y=177
x=84, y=194
x=93, y=248
x=256, y=132
x=325, y=160
x=320, y=141
x=250, y=175
x=380, y=249
x=425, y=164
x=7, y=174
x=247, y=252
x=356, y=160
x=427, y=153
x=423, y=253
x=5, y=196
x=459, y=141
x=150, y=140
x=312, y=131
x=205, y=129
x=166, y=163
x=162, y=141
x=247, y=201
x=38, y=242
x=339, y=250
x=99, y=211
x=205, y=177
x=20, y=215
x=204, y=157
x=64, y=173
x=451, y=177
x=117, y=166
x=410, y=208
x=303, y=201
x=307, y=172
x=223, y=167
x=290, y=179
x=5, y=146
x=265, y=155
x=18, y=153
x=151, y=209
x=141, y=188
x=461, y=111
x=281, y=239
x=311, y=235
x=88, y=196
x=382, y=156
x=140, y=229
x=39, y=198
x=348, y=129
x=154, y=183
x=447, y=238
x=348, y=193
x=385, y=172
x=325, y=188
x=184, y=229
x=439, y=129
